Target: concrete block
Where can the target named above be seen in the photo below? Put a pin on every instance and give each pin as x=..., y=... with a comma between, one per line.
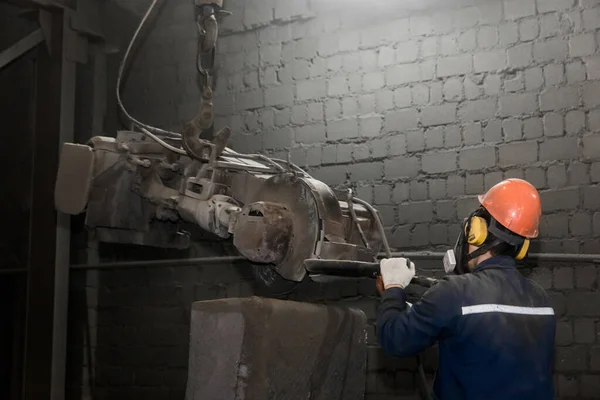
x=407, y=52
x=554, y=49
x=534, y=78
x=342, y=129
x=564, y=148
x=472, y=133
x=591, y=94
x=517, y=104
x=515, y=84
x=559, y=98
x=452, y=136
x=418, y=211
x=493, y=131
x=439, y=162
x=536, y=176
x=477, y=110
x=429, y=47
x=532, y=128
x=567, y=386
x=270, y=54
x=453, y=89
x=402, y=74
x=554, y=74
x=591, y=146
x=553, y=124
x=289, y=11
x=518, y=153
x=563, y=276
x=306, y=48
x=418, y=190
x=351, y=62
x=529, y=29
x=455, y=185
x=478, y=158
x=456, y=65
x=310, y=133
x=594, y=120
x=384, y=101
x=508, y=33
x=557, y=176
x=582, y=45
x=437, y=188
x=595, y=172
x=278, y=139
x=415, y=141
x=564, y=333
x=366, y=172
x=570, y=358
x=282, y=95
x=311, y=89
x=234, y=331
x=580, y=224
x=489, y=61
x=402, y=97
x=592, y=67
x=474, y=184
x=331, y=175
x=544, y=6
x=559, y=199
x=445, y=210
x=301, y=70
x=449, y=45
x=400, y=120
x=328, y=45
x=575, y=72
x=520, y=56
x=467, y=41
x=370, y=126
x=401, y=167
x=579, y=174
x=349, y=41
x=368, y=60
x=487, y=37
x=591, y=18
x=420, y=94
x=492, y=85
x=338, y=85
x=438, y=115
x=466, y=17
x=313, y=156
x=515, y=9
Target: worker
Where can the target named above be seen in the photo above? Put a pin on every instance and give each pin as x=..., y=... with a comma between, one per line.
x=495, y=328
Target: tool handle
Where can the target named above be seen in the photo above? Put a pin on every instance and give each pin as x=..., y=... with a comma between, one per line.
x=355, y=269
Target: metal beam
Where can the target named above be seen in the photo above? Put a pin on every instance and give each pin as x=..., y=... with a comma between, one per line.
x=21, y=47
x=37, y=375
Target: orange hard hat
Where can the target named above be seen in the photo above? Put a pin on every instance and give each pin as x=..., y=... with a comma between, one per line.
x=516, y=205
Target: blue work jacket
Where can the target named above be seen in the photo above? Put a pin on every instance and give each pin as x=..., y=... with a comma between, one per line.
x=495, y=330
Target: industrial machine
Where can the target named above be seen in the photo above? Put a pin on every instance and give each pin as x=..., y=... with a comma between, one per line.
x=142, y=185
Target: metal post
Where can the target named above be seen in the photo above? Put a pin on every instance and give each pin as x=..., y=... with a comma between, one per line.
x=40, y=332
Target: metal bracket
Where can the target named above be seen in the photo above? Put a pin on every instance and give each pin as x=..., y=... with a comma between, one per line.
x=21, y=47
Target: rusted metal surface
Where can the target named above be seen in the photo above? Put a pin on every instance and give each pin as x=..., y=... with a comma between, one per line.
x=296, y=196
x=263, y=232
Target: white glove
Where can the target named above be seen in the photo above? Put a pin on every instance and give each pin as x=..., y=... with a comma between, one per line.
x=396, y=272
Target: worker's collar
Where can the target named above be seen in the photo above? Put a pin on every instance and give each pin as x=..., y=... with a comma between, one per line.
x=496, y=262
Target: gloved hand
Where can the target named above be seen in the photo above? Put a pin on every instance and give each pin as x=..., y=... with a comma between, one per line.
x=396, y=272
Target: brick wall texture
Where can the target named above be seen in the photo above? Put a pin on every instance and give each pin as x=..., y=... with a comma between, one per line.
x=419, y=111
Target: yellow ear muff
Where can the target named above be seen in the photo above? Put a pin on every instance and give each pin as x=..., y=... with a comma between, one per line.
x=523, y=250
x=477, y=231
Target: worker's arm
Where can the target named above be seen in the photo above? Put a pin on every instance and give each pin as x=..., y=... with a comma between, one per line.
x=404, y=331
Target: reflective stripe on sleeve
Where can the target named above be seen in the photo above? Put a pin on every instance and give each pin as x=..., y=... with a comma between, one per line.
x=500, y=308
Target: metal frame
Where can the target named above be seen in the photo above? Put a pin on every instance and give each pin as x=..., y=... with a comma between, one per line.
x=21, y=47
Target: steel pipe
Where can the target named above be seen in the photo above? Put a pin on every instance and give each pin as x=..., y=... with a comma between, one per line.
x=178, y=262
x=555, y=257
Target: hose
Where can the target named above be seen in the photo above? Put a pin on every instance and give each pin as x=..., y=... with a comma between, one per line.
x=150, y=128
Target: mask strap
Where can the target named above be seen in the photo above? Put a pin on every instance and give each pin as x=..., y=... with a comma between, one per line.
x=484, y=249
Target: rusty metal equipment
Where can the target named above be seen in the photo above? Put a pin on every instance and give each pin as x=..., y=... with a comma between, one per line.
x=135, y=191
x=144, y=185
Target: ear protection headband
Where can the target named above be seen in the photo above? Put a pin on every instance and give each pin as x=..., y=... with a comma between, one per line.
x=477, y=232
